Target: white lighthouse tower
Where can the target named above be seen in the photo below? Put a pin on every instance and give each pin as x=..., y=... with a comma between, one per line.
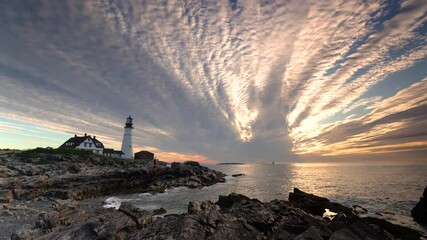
x=127, y=139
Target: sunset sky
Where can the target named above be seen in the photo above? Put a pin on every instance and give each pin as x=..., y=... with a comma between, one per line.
x=218, y=81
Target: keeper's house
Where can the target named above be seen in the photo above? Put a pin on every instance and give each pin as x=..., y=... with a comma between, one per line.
x=90, y=143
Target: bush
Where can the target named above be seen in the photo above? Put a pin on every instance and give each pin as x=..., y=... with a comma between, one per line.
x=192, y=163
x=50, y=151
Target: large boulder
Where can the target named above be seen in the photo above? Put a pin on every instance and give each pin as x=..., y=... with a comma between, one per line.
x=419, y=212
x=317, y=205
x=311, y=203
x=231, y=199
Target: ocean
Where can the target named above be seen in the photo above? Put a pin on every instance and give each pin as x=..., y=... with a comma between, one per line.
x=386, y=191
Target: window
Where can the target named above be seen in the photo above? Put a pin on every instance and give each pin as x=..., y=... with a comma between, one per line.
x=90, y=144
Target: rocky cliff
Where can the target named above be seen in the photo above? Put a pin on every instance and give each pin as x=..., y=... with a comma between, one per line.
x=79, y=174
x=419, y=212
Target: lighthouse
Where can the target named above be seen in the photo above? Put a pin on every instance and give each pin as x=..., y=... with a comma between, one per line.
x=127, y=139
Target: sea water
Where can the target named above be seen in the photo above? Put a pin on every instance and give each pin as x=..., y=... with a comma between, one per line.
x=388, y=191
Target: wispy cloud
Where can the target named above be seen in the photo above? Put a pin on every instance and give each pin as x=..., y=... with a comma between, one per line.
x=213, y=80
x=395, y=124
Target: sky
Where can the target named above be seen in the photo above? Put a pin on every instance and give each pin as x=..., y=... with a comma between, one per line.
x=218, y=81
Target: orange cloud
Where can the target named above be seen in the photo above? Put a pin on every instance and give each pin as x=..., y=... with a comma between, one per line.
x=176, y=156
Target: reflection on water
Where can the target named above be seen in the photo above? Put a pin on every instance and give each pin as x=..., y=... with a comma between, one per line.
x=391, y=190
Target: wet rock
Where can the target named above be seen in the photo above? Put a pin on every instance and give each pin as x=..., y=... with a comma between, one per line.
x=233, y=217
x=228, y=201
x=419, y=212
x=238, y=175
x=360, y=231
x=317, y=205
x=312, y=233
x=159, y=211
x=309, y=202
x=194, y=207
x=358, y=210
x=140, y=217
x=404, y=233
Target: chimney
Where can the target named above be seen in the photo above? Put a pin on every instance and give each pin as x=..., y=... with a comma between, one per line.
x=75, y=135
x=85, y=134
x=94, y=137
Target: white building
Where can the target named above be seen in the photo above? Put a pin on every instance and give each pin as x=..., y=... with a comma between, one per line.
x=92, y=144
x=127, y=148
x=87, y=142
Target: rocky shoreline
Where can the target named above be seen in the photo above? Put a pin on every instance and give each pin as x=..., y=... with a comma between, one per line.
x=46, y=194
x=32, y=182
x=232, y=217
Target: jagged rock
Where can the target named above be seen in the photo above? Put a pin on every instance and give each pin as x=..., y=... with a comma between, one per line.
x=6, y=196
x=232, y=217
x=228, y=201
x=5, y=213
x=159, y=211
x=312, y=233
x=404, y=233
x=140, y=217
x=309, y=202
x=419, y=212
x=360, y=231
x=194, y=207
x=63, y=175
x=358, y=210
x=317, y=205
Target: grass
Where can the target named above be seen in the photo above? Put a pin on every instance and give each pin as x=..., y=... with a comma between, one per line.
x=45, y=156
x=37, y=151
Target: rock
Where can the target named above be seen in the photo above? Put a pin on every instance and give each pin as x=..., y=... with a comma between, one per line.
x=6, y=196
x=194, y=207
x=74, y=168
x=238, y=175
x=228, y=201
x=309, y=202
x=404, y=233
x=159, y=211
x=192, y=163
x=360, y=231
x=317, y=205
x=233, y=217
x=140, y=217
x=358, y=210
x=419, y=212
x=63, y=176
x=5, y=213
x=312, y=233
